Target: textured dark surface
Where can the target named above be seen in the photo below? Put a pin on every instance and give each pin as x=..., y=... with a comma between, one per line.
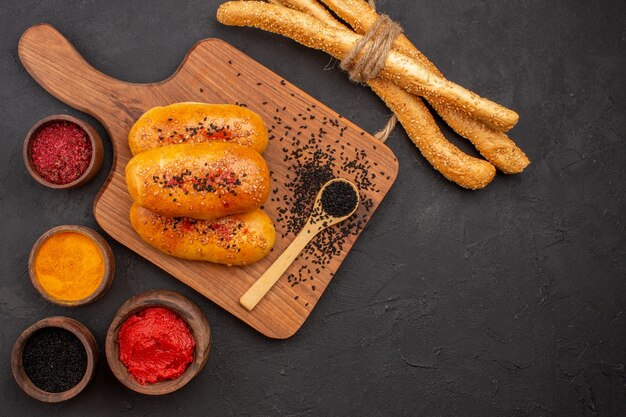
x=508, y=301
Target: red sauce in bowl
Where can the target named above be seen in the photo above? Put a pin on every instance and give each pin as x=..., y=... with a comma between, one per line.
x=156, y=345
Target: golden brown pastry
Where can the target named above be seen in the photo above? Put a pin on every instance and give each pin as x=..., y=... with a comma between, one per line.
x=203, y=180
x=197, y=123
x=238, y=239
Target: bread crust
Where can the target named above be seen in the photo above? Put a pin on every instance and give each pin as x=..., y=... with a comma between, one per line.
x=403, y=70
x=450, y=161
x=238, y=239
x=454, y=164
x=203, y=181
x=493, y=144
x=196, y=123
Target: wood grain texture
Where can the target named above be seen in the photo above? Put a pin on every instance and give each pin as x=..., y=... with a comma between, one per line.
x=215, y=72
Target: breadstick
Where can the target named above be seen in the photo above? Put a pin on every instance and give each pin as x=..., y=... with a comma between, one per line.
x=494, y=145
x=402, y=70
x=312, y=8
x=454, y=164
x=450, y=161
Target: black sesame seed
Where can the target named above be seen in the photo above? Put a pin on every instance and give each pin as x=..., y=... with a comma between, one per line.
x=54, y=359
x=313, y=160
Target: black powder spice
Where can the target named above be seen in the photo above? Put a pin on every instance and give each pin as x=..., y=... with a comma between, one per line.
x=54, y=359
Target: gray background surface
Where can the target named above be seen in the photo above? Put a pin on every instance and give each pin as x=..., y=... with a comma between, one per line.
x=505, y=302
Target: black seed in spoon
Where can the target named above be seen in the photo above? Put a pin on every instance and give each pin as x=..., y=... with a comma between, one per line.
x=339, y=199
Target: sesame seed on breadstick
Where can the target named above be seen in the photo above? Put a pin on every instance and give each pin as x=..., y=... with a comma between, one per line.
x=454, y=164
x=402, y=70
x=450, y=161
x=493, y=144
x=311, y=7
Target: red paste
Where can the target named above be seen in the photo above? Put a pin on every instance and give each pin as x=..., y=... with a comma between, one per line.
x=156, y=345
x=61, y=152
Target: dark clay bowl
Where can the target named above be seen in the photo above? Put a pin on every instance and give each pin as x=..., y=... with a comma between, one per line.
x=188, y=311
x=83, y=334
x=96, y=154
x=105, y=249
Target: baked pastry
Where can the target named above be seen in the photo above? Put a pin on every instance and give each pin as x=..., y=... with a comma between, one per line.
x=203, y=181
x=197, y=123
x=238, y=239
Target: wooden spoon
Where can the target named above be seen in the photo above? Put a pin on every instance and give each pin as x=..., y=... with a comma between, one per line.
x=318, y=221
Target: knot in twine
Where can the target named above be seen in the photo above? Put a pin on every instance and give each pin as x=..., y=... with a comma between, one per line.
x=367, y=58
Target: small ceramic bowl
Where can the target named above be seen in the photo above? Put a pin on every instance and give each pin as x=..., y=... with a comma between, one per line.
x=105, y=249
x=96, y=155
x=83, y=334
x=188, y=311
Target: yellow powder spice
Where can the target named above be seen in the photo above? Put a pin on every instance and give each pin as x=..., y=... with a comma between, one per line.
x=69, y=266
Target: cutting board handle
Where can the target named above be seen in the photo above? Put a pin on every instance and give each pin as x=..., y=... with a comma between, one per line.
x=56, y=65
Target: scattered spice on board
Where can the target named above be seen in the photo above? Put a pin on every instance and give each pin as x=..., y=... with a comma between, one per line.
x=69, y=266
x=61, y=152
x=156, y=345
x=339, y=199
x=312, y=162
x=54, y=359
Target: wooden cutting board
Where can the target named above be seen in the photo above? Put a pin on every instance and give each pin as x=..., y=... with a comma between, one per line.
x=301, y=129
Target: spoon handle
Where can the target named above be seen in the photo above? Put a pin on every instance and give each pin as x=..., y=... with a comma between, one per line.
x=262, y=285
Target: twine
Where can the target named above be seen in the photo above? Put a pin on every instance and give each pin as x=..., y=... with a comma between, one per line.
x=367, y=58
x=371, y=50
x=384, y=133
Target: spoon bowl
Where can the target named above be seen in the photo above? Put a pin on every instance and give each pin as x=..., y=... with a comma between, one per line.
x=320, y=216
